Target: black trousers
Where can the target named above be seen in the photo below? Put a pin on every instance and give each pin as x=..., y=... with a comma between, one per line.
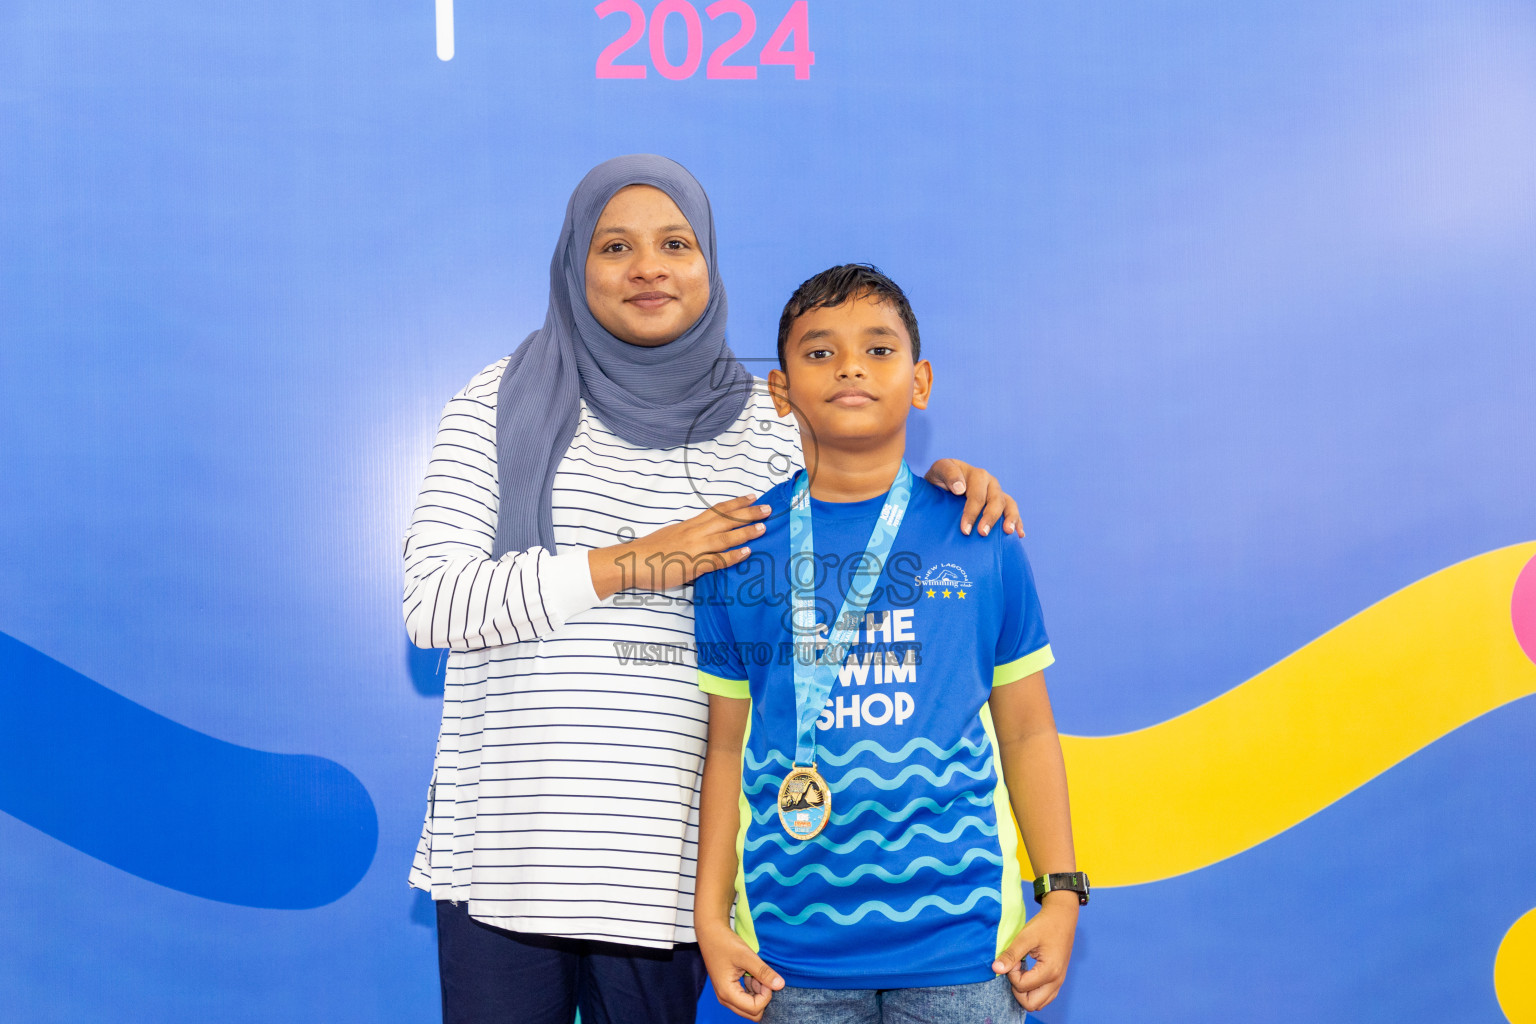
x=493, y=976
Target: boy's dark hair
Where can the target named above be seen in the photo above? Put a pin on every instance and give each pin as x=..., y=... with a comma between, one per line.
x=837, y=285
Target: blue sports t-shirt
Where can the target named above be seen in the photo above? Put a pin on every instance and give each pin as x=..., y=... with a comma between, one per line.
x=915, y=880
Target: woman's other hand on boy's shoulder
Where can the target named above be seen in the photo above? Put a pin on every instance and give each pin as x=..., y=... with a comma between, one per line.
x=743, y=983
x=984, y=496
x=1047, y=937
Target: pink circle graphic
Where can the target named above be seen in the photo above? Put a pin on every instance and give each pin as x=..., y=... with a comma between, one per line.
x=1522, y=609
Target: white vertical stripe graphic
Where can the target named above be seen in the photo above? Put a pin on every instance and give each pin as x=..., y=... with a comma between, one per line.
x=445, y=29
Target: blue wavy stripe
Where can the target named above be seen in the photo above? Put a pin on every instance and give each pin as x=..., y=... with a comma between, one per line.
x=172, y=805
x=878, y=907
x=922, y=802
x=763, y=782
x=871, y=747
x=770, y=813
x=794, y=846
x=774, y=759
x=884, y=874
x=980, y=772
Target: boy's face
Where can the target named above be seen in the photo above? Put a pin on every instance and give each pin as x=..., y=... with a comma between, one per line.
x=851, y=378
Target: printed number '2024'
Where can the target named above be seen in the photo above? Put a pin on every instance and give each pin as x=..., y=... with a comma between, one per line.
x=790, y=43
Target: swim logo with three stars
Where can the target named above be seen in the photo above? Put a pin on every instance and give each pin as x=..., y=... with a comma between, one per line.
x=945, y=581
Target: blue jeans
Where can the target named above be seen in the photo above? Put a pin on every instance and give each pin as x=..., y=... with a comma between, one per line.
x=985, y=1002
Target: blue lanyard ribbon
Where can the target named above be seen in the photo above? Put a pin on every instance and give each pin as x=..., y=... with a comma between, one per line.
x=814, y=673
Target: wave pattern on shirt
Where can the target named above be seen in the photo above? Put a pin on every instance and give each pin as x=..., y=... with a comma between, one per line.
x=898, y=914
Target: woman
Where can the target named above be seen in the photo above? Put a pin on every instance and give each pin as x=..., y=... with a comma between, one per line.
x=575, y=489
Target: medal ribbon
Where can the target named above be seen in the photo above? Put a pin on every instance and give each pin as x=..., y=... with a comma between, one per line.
x=814, y=675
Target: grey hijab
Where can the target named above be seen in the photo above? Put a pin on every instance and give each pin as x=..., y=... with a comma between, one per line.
x=685, y=391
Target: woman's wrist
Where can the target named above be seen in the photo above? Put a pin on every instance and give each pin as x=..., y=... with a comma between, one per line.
x=606, y=565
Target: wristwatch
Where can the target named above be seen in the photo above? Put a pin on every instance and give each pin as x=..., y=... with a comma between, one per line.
x=1075, y=880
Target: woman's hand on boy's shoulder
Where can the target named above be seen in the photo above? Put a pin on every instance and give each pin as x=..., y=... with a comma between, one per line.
x=743, y=983
x=679, y=553
x=984, y=496
x=1047, y=937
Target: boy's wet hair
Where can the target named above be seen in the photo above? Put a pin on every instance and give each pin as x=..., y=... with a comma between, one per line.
x=837, y=285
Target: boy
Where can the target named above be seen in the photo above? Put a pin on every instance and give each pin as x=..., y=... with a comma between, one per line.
x=875, y=678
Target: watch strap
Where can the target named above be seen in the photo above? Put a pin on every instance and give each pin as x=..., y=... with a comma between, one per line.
x=1076, y=881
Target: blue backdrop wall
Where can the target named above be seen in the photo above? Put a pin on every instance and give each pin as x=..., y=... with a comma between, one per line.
x=1237, y=299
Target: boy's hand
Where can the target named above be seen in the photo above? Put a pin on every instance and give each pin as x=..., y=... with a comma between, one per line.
x=983, y=496
x=1048, y=938
x=730, y=960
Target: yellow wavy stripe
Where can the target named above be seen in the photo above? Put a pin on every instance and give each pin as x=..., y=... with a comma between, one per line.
x=1251, y=763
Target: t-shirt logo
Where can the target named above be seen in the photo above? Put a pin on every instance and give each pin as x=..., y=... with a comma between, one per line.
x=945, y=581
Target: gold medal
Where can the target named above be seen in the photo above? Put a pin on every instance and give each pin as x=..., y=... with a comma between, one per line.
x=805, y=802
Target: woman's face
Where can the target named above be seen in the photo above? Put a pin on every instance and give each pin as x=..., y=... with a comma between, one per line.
x=646, y=278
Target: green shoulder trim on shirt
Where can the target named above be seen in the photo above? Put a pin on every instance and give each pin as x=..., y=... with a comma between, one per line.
x=738, y=688
x=1017, y=669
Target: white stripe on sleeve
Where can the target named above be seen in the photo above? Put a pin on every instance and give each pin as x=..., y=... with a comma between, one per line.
x=456, y=595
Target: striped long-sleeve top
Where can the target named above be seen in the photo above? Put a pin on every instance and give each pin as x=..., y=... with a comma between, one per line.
x=564, y=794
